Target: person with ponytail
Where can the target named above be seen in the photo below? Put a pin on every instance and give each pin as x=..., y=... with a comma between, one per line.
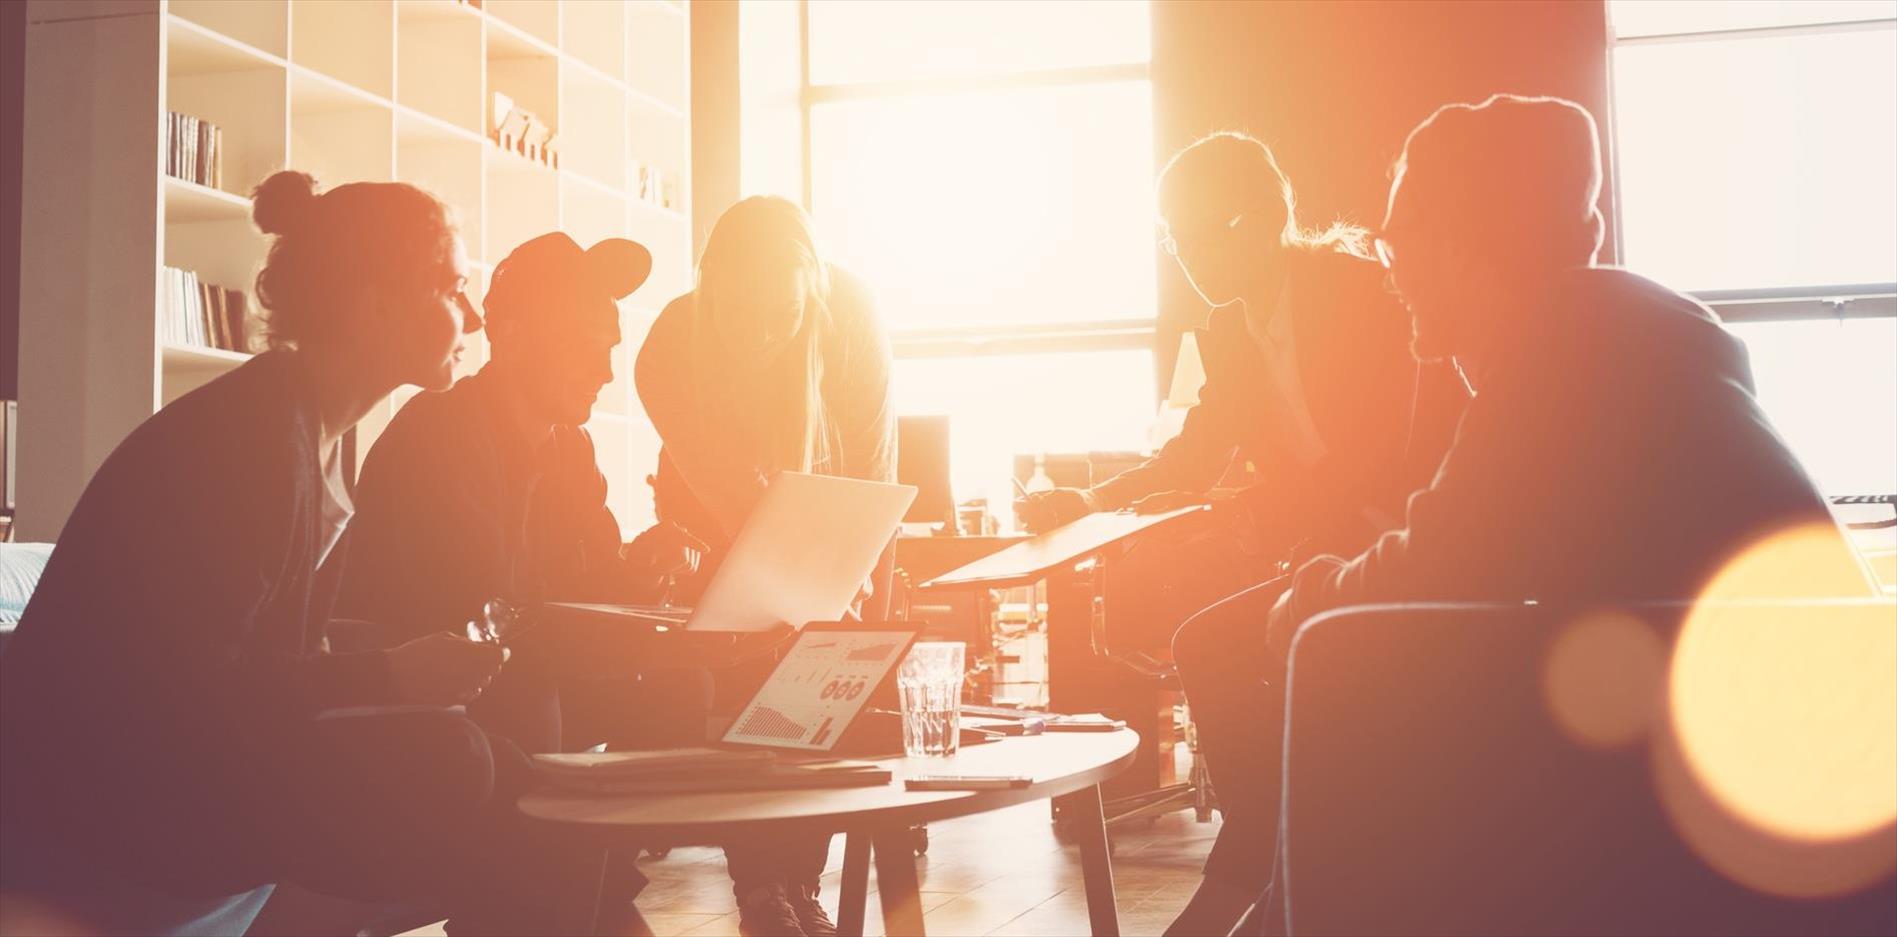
x=775, y=361
x=178, y=736
x=1310, y=384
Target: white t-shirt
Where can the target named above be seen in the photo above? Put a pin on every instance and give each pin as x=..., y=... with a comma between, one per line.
x=337, y=506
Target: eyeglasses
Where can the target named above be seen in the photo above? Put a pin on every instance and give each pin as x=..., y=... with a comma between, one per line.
x=1386, y=254
x=1169, y=242
x=465, y=304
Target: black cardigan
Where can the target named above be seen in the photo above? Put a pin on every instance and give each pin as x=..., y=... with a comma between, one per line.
x=1384, y=419
x=177, y=635
x=454, y=508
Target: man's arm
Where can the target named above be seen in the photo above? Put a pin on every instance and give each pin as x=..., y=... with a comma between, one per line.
x=1467, y=535
x=1194, y=460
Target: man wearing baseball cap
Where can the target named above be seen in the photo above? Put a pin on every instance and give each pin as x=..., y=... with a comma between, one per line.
x=491, y=490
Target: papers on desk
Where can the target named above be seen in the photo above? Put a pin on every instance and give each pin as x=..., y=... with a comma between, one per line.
x=1033, y=558
x=691, y=770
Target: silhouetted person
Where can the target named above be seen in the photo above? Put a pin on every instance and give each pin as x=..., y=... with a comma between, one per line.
x=160, y=734
x=1613, y=449
x=1310, y=380
x=776, y=361
x=492, y=490
x=1307, y=373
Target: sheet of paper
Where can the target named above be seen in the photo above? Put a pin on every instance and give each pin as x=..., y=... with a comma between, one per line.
x=1030, y=558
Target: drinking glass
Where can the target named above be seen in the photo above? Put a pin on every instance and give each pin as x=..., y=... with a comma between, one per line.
x=931, y=683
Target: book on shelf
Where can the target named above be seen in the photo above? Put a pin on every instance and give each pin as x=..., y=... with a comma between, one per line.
x=194, y=149
x=654, y=186
x=203, y=314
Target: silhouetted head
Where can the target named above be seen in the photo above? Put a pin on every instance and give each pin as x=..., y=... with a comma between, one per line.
x=553, y=319
x=761, y=276
x=370, y=272
x=1488, y=201
x=761, y=312
x=1226, y=209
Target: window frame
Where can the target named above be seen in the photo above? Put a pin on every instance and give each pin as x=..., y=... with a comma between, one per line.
x=1765, y=304
x=983, y=340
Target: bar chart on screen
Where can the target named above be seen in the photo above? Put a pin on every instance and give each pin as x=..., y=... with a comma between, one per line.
x=817, y=689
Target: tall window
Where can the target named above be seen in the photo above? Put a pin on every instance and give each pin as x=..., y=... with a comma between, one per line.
x=987, y=166
x=1755, y=143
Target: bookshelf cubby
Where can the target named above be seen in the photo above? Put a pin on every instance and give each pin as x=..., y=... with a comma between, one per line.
x=348, y=90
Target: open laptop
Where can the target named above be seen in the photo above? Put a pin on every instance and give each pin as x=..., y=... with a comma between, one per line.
x=801, y=557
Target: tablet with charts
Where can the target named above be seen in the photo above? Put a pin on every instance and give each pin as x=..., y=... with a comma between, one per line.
x=819, y=687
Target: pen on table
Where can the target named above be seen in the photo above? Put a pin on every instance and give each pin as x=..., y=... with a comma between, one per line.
x=1019, y=488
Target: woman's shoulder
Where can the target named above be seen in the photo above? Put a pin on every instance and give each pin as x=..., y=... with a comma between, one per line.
x=853, y=312
x=266, y=398
x=851, y=295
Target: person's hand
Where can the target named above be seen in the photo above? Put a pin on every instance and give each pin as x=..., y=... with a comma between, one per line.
x=1163, y=501
x=444, y=669
x=665, y=550
x=1043, y=511
x=863, y=594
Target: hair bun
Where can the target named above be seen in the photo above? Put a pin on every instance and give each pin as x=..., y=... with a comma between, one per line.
x=283, y=202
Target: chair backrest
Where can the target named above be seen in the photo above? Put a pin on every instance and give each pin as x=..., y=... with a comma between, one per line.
x=1430, y=787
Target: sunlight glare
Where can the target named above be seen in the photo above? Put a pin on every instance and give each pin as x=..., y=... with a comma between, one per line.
x=1780, y=763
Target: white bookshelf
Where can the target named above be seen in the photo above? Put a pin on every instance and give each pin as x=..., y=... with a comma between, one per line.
x=348, y=90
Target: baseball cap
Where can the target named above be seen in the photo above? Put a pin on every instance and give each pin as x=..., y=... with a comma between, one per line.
x=552, y=271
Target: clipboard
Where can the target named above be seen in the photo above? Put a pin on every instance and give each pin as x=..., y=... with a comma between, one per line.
x=1032, y=559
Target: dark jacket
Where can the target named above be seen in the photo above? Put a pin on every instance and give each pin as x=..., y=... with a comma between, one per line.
x=1384, y=421
x=855, y=389
x=454, y=507
x=1615, y=453
x=178, y=634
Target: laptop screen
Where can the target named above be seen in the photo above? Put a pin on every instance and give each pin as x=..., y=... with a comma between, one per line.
x=819, y=687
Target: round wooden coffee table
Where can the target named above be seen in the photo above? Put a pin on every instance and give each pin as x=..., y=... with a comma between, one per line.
x=876, y=820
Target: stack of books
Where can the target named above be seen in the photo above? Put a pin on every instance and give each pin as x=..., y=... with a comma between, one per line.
x=201, y=314
x=194, y=150
x=519, y=132
x=698, y=770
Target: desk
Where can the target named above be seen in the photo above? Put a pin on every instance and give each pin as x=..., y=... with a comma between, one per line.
x=1072, y=560
x=876, y=820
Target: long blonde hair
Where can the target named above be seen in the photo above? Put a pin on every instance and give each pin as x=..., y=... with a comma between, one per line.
x=779, y=407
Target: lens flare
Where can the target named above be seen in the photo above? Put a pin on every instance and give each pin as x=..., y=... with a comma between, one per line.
x=1602, y=679
x=1779, y=763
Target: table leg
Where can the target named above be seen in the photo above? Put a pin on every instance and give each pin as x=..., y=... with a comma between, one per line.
x=896, y=882
x=577, y=910
x=855, y=884
x=1096, y=862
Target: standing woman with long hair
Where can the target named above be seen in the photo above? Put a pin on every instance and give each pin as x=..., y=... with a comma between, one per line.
x=775, y=361
x=167, y=751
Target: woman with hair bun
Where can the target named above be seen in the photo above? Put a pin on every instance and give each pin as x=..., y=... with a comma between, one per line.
x=168, y=727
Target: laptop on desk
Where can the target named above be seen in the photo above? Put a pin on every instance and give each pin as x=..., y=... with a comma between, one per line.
x=801, y=557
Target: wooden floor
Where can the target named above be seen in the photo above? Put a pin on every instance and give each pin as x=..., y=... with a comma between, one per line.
x=1001, y=873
